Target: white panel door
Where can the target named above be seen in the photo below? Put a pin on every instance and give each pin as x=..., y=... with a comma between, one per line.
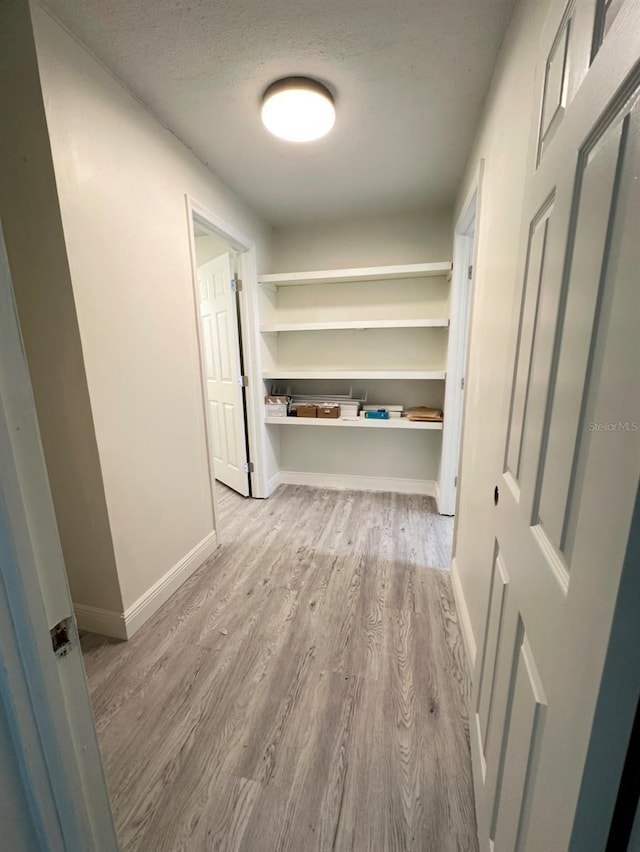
x=221, y=364
x=565, y=494
x=49, y=755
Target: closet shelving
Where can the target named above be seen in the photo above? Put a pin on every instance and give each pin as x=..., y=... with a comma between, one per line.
x=354, y=324
x=360, y=274
x=361, y=422
x=386, y=324
x=319, y=373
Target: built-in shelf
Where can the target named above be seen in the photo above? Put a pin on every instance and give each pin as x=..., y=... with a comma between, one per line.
x=441, y=322
x=360, y=423
x=383, y=331
x=354, y=374
x=373, y=273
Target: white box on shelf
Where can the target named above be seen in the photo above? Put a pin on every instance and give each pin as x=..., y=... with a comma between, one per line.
x=276, y=409
x=349, y=411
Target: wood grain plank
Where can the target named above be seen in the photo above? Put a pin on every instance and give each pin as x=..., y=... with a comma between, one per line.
x=305, y=690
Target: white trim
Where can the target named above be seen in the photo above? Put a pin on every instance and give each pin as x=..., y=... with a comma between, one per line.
x=248, y=273
x=436, y=497
x=235, y=238
x=123, y=625
x=151, y=601
x=358, y=483
x=372, y=273
x=465, y=252
x=272, y=484
x=201, y=359
x=106, y=622
x=463, y=616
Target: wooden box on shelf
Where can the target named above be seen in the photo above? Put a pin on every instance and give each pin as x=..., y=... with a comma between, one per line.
x=329, y=412
x=306, y=411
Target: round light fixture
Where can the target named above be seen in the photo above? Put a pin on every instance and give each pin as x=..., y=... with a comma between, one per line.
x=298, y=109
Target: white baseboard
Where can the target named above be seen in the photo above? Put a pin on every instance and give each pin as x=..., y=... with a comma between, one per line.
x=122, y=625
x=106, y=622
x=151, y=601
x=272, y=484
x=463, y=613
x=358, y=483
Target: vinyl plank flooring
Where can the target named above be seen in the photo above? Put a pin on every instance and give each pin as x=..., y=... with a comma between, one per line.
x=304, y=690
x=303, y=815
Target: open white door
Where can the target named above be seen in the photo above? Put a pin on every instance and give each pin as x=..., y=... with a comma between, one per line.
x=565, y=496
x=223, y=372
x=461, y=298
x=44, y=702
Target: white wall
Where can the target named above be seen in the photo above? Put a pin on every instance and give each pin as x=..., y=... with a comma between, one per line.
x=502, y=143
x=387, y=453
x=122, y=180
x=362, y=241
x=32, y=226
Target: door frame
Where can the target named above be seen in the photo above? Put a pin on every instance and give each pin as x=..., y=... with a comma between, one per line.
x=247, y=300
x=465, y=249
x=609, y=789
x=44, y=694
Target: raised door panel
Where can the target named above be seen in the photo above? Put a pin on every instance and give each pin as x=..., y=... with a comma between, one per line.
x=526, y=338
x=577, y=329
x=224, y=366
x=555, y=90
x=526, y=722
x=492, y=643
x=231, y=444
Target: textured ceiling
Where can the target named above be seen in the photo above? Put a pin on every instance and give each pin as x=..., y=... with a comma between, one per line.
x=409, y=78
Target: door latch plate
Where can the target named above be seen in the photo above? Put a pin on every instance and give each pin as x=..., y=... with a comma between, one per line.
x=61, y=636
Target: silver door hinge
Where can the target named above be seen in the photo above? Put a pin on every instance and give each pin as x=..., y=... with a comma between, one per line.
x=462, y=383
x=455, y=482
x=243, y=381
x=470, y=272
x=236, y=284
x=248, y=467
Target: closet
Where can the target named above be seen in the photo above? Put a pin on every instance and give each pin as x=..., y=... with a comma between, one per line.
x=379, y=334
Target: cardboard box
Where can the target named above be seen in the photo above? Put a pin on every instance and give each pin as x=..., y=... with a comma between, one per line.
x=306, y=410
x=330, y=412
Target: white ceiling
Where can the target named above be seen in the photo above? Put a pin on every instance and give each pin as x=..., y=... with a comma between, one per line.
x=409, y=77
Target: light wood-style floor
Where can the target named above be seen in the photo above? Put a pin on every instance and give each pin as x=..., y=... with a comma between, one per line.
x=304, y=691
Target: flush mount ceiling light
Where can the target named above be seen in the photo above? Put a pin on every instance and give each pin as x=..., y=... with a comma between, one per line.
x=298, y=109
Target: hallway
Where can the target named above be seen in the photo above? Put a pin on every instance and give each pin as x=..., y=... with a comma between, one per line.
x=305, y=690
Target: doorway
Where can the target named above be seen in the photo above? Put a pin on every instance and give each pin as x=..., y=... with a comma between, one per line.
x=224, y=380
x=460, y=311
x=218, y=263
